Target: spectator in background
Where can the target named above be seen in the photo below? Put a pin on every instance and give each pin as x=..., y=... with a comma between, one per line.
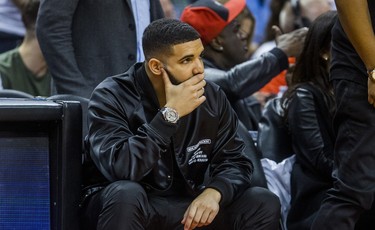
x=225, y=58
x=86, y=41
x=168, y=8
x=12, y=29
x=247, y=26
x=353, y=75
x=294, y=14
x=309, y=107
x=24, y=67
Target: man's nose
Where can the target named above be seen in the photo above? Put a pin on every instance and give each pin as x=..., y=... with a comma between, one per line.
x=199, y=66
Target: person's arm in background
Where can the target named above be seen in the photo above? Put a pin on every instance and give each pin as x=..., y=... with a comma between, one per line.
x=355, y=18
x=55, y=38
x=246, y=78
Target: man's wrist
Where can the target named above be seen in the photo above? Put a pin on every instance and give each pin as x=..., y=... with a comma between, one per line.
x=170, y=114
x=215, y=193
x=281, y=56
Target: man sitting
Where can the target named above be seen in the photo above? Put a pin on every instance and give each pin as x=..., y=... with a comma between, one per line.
x=154, y=133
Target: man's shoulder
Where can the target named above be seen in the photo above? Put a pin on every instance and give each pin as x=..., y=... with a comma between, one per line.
x=212, y=86
x=214, y=94
x=122, y=78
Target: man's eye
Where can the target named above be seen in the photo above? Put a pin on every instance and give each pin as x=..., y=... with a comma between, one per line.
x=186, y=60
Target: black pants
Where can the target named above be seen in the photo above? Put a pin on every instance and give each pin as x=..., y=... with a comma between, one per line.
x=354, y=173
x=125, y=205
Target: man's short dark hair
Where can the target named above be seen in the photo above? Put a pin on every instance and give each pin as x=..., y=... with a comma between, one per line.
x=162, y=34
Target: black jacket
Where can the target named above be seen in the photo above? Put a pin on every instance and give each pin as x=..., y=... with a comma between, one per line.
x=310, y=116
x=244, y=79
x=130, y=140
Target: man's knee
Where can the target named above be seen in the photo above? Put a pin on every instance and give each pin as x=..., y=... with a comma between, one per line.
x=264, y=199
x=124, y=192
x=257, y=208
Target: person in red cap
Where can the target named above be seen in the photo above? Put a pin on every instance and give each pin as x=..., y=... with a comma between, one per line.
x=226, y=60
x=167, y=143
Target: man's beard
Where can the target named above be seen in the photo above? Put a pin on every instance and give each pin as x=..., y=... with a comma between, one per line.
x=172, y=78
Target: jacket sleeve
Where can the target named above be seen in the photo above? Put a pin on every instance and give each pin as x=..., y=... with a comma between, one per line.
x=230, y=168
x=246, y=78
x=54, y=34
x=119, y=153
x=313, y=150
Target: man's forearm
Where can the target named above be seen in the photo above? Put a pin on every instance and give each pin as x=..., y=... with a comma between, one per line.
x=355, y=18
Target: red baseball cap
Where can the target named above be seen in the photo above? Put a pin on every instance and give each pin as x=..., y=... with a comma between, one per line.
x=210, y=17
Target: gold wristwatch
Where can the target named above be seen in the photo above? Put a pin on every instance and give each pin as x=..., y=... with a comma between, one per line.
x=371, y=74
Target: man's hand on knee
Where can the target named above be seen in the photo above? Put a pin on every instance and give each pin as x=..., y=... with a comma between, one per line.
x=203, y=210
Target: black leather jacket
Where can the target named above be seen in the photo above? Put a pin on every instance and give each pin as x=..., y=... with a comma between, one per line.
x=130, y=140
x=244, y=79
x=248, y=77
x=310, y=119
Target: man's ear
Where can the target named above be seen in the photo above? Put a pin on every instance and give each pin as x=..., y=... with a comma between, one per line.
x=216, y=44
x=155, y=66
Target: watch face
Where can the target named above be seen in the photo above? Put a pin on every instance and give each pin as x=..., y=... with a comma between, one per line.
x=170, y=115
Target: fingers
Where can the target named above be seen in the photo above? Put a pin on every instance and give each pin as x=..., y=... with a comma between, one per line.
x=194, y=218
x=302, y=32
x=199, y=220
x=186, y=96
x=205, y=219
x=188, y=219
x=371, y=92
x=371, y=100
x=200, y=92
x=167, y=81
x=202, y=211
x=277, y=31
x=198, y=84
x=197, y=80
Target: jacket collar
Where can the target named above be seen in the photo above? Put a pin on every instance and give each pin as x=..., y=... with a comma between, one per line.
x=145, y=86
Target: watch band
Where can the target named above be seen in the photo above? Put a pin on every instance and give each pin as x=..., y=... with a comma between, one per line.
x=371, y=74
x=170, y=115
